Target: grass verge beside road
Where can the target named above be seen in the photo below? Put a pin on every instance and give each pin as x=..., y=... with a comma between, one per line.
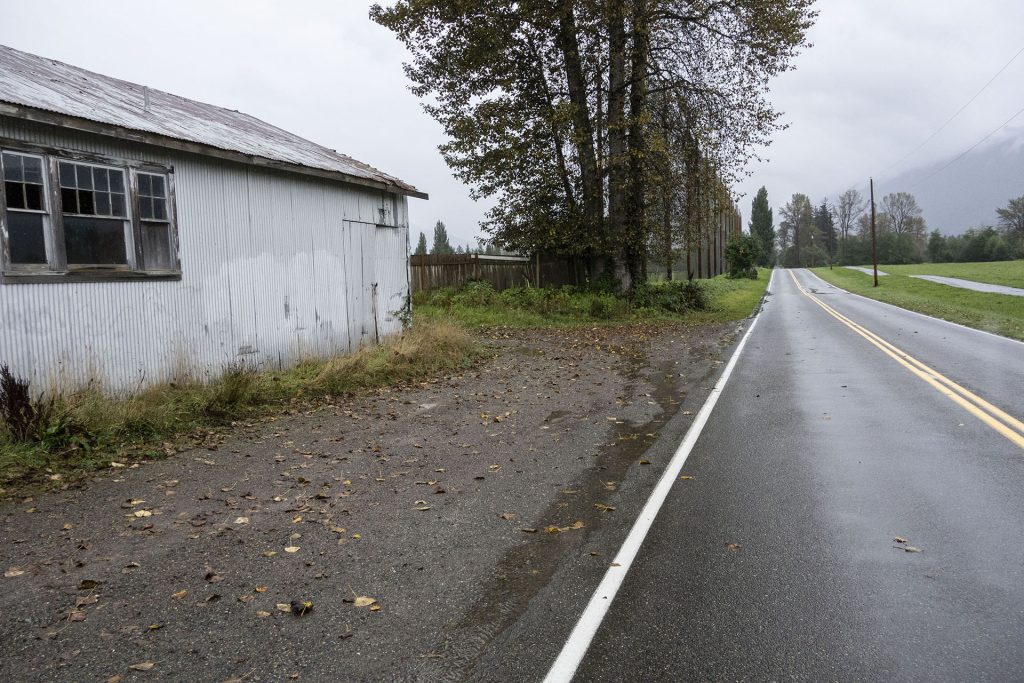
x=998, y=313
x=705, y=302
x=1007, y=273
x=85, y=431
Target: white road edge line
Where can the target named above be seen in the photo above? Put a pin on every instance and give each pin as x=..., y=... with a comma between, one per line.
x=569, y=659
x=907, y=310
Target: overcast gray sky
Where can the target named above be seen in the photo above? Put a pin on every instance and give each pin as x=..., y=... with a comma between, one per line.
x=881, y=77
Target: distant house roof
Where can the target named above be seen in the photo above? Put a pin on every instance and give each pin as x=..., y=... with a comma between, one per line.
x=38, y=88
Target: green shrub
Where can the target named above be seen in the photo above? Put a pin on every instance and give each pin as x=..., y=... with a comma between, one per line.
x=603, y=306
x=742, y=252
x=233, y=392
x=474, y=293
x=673, y=296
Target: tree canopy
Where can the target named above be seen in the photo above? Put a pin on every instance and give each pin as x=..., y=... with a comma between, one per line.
x=594, y=122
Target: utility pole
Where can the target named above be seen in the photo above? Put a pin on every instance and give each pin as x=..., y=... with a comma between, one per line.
x=874, y=244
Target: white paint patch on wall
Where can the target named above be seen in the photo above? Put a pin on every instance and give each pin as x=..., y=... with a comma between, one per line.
x=276, y=267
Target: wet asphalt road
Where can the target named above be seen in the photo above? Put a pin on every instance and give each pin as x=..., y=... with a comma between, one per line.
x=777, y=561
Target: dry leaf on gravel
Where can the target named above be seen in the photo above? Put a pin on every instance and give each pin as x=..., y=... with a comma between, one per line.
x=13, y=571
x=180, y=594
x=262, y=614
x=364, y=601
x=604, y=508
x=686, y=477
x=292, y=549
x=142, y=666
x=283, y=607
x=241, y=520
x=900, y=539
x=87, y=584
x=733, y=546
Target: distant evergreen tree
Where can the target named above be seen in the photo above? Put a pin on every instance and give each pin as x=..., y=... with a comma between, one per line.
x=458, y=250
x=827, y=227
x=421, y=246
x=761, y=226
x=441, y=243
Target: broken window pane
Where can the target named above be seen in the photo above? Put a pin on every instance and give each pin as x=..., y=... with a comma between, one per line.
x=156, y=246
x=25, y=237
x=94, y=241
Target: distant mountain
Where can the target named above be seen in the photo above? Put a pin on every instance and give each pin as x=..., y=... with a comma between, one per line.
x=967, y=193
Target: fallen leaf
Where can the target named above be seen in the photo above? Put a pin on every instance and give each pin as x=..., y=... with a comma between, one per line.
x=87, y=584
x=494, y=468
x=135, y=501
x=260, y=589
x=143, y=513
x=507, y=515
x=86, y=600
x=909, y=549
x=142, y=666
x=900, y=539
x=117, y=678
x=292, y=549
x=155, y=627
x=76, y=615
x=180, y=594
x=296, y=519
x=357, y=536
x=262, y=614
x=241, y=520
x=604, y=508
x=67, y=527
x=283, y=607
x=645, y=462
x=423, y=508
x=686, y=477
x=733, y=546
x=13, y=571
x=374, y=608
x=269, y=553
x=364, y=601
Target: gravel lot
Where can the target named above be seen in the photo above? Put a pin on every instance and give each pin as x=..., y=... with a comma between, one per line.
x=451, y=504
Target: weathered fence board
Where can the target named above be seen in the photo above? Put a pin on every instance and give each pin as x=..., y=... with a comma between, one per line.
x=436, y=271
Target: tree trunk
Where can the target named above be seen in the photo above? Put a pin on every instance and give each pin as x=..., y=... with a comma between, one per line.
x=636, y=209
x=590, y=179
x=616, y=132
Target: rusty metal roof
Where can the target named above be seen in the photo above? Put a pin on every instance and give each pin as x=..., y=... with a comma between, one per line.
x=27, y=80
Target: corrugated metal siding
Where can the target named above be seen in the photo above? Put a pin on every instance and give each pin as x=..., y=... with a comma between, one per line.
x=275, y=268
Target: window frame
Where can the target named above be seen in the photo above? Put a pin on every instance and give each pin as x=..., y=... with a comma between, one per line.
x=57, y=268
x=47, y=214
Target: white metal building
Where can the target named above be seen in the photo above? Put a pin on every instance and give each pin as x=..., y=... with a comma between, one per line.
x=145, y=236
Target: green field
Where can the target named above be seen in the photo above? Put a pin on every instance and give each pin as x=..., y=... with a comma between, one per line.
x=999, y=313
x=1008, y=273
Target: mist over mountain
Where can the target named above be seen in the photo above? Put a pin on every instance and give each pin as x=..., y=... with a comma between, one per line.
x=966, y=194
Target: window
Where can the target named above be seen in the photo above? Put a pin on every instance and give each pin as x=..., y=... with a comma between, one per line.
x=103, y=219
x=95, y=216
x=25, y=200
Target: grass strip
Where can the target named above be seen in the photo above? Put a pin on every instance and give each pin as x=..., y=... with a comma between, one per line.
x=85, y=431
x=998, y=313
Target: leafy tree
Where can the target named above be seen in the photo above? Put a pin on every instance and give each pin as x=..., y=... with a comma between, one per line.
x=848, y=209
x=441, y=243
x=566, y=111
x=742, y=252
x=421, y=246
x=904, y=215
x=938, y=251
x=797, y=232
x=1011, y=218
x=762, y=226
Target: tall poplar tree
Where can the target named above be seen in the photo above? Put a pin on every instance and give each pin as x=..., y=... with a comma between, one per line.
x=762, y=226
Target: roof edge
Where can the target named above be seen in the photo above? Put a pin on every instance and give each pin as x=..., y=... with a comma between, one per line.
x=86, y=125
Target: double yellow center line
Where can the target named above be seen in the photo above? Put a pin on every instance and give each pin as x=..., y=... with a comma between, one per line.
x=1005, y=424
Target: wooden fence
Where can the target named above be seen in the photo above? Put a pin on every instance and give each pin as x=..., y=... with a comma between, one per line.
x=435, y=271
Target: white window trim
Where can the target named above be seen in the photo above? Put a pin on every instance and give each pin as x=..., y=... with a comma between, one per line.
x=57, y=269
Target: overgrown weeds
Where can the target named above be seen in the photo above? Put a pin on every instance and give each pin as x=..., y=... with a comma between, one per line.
x=478, y=304
x=79, y=432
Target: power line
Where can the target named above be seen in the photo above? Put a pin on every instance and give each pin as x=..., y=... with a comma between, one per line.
x=957, y=113
x=968, y=150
